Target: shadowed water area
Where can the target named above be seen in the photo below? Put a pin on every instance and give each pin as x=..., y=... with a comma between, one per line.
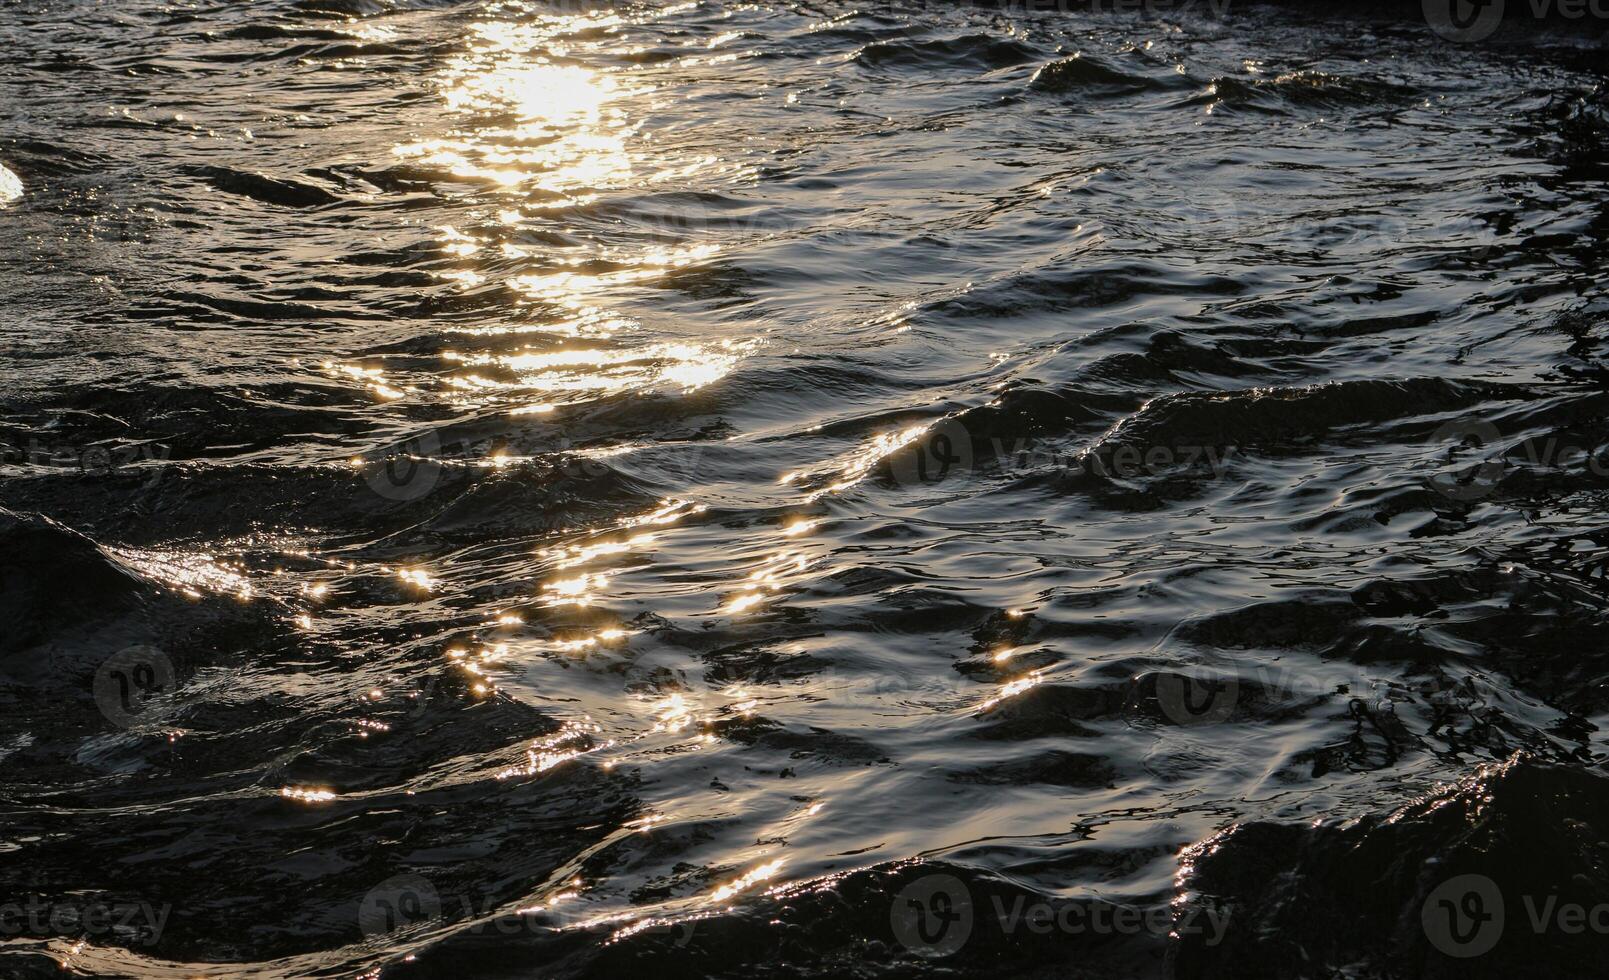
x=508, y=489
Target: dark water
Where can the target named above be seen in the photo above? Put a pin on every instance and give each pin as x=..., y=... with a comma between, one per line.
x=496, y=489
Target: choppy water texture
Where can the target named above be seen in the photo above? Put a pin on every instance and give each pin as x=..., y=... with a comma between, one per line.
x=502, y=490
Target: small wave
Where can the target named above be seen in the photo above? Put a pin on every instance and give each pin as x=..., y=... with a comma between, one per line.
x=72, y=605
x=274, y=32
x=976, y=51
x=341, y=8
x=54, y=576
x=1086, y=73
x=268, y=190
x=1372, y=893
x=1296, y=416
x=1301, y=90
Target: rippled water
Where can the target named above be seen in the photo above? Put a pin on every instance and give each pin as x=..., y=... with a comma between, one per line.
x=503, y=489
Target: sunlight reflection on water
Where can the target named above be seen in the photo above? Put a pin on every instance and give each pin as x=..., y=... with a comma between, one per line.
x=10, y=185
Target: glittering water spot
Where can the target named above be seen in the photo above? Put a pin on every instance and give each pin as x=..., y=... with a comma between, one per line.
x=10, y=185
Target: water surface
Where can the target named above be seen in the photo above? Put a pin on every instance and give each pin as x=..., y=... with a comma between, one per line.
x=501, y=489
